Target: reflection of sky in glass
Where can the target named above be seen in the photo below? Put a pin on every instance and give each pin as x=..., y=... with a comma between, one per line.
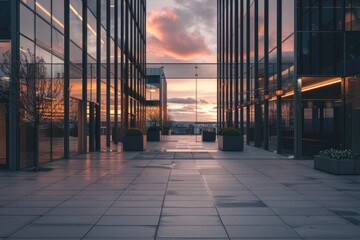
x=197, y=25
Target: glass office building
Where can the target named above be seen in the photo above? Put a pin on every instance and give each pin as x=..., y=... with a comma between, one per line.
x=288, y=73
x=156, y=97
x=72, y=73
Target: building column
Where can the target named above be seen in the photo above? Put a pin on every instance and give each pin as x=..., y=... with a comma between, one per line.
x=66, y=79
x=236, y=85
x=126, y=69
x=248, y=71
x=227, y=63
x=116, y=71
x=266, y=75
x=98, y=77
x=242, y=67
x=223, y=78
x=218, y=63
x=231, y=66
x=122, y=67
x=14, y=116
x=258, y=115
x=108, y=74
x=279, y=78
x=298, y=115
x=84, y=75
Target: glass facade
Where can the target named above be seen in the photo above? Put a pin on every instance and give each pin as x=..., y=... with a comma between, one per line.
x=79, y=70
x=297, y=60
x=156, y=98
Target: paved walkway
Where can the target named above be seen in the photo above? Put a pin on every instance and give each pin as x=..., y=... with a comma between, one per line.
x=179, y=195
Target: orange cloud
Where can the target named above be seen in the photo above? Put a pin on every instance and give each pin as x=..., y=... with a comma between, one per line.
x=168, y=38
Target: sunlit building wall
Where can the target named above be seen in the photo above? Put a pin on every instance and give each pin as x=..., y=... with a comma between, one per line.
x=287, y=73
x=93, y=56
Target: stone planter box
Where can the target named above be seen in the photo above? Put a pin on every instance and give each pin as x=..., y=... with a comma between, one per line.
x=337, y=167
x=208, y=136
x=154, y=136
x=134, y=143
x=231, y=143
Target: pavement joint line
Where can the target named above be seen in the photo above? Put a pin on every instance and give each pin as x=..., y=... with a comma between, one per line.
x=140, y=172
x=291, y=228
x=163, y=201
x=38, y=217
x=212, y=199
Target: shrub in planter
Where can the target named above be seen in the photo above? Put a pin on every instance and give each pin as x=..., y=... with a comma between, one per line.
x=230, y=139
x=340, y=162
x=208, y=135
x=134, y=140
x=154, y=133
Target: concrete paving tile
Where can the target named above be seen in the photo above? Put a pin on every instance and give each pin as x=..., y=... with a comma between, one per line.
x=67, y=220
x=77, y=211
x=129, y=221
x=122, y=232
x=187, y=193
x=345, y=211
x=133, y=211
x=302, y=204
x=252, y=220
x=185, y=238
x=23, y=211
x=300, y=221
x=140, y=204
x=187, y=198
x=303, y=211
x=189, y=212
x=329, y=232
x=190, y=221
x=240, y=204
x=119, y=238
x=126, y=197
x=191, y=232
x=188, y=204
x=261, y=232
x=45, y=238
x=48, y=231
x=34, y=204
x=10, y=224
x=355, y=220
x=341, y=204
x=85, y=204
x=251, y=211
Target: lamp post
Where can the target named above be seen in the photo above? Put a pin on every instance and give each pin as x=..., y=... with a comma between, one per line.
x=196, y=99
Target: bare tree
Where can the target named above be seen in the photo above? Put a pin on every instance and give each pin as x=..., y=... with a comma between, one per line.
x=153, y=115
x=40, y=97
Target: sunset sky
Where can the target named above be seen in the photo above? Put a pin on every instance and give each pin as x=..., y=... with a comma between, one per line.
x=184, y=31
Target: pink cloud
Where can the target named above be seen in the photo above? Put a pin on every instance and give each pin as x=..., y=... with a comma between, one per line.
x=168, y=38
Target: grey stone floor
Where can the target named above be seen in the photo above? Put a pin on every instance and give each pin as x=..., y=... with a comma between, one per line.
x=182, y=195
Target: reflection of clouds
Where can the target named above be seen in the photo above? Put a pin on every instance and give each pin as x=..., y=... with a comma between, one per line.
x=181, y=100
x=186, y=112
x=169, y=38
x=203, y=101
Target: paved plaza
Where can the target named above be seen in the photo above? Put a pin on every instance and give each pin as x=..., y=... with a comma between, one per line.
x=191, y=191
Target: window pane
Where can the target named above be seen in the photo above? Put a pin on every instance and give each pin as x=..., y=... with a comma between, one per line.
x=26, y=22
